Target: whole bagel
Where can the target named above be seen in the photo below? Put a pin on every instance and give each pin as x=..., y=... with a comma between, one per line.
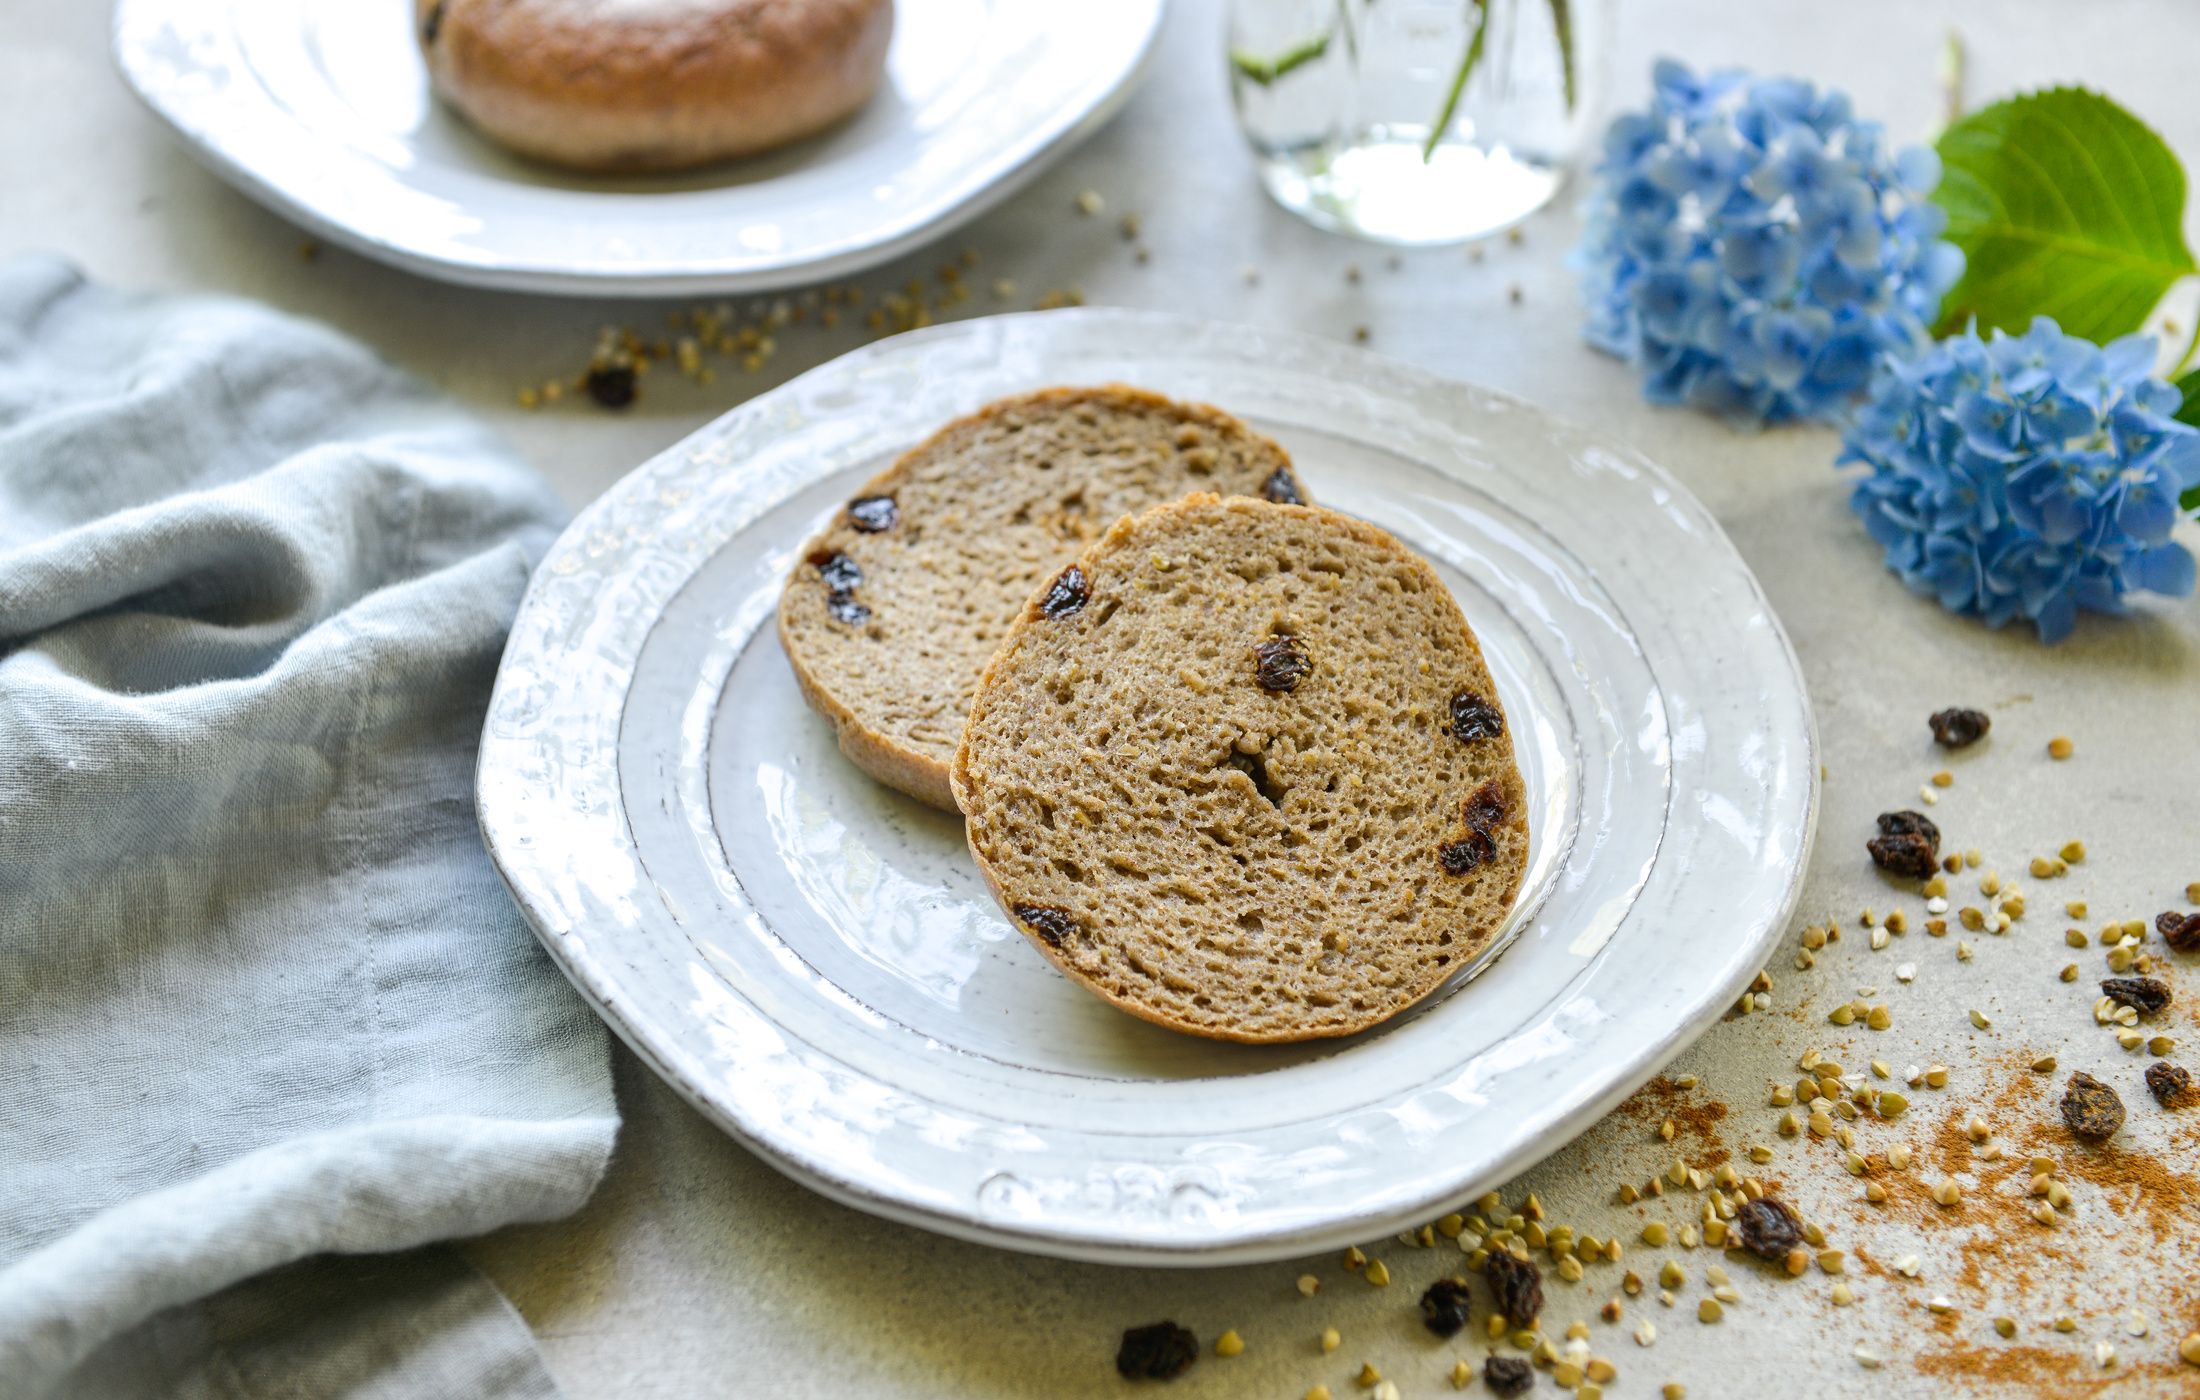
x=612, y=85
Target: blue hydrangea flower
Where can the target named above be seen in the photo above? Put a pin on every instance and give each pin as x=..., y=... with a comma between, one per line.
x=1758, y=250
x=2027, y=476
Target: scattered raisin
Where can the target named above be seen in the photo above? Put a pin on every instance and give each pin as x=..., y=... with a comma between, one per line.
x=1466, y=855
x=1959, y=729
x=872, y=514
x=2145, y=995
x=1907, y=844
x=2167, y=1082
x=1444, y=1307
x=1280, y=663
x=610, y=385
x=1768, y=1227
x=1486, y=807
x=840, y=573
x=2179, y=931
x=841, y=576
x=1474, y=718
x=1158, y=1351
x=1066, y=594
x=1048, y=922
x=2091, y=1108
x=1508, y=1375
x=1483, y=811
x=1516, y=1285
x=1282, y=488
x=1908, y=823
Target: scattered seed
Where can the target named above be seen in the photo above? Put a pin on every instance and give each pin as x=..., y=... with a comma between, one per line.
x=2060, y=748
x=1947, y=1193
x=1378, y=1273
x=2069, y=973
x=1979, y=1019
x=1090, y=203
x=1229, y=1343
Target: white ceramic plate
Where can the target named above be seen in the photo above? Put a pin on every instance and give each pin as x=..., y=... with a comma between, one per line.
x=811, y=959
x=320, y=109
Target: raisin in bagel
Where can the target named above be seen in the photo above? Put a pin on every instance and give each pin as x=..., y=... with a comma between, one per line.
x=608, y=85
x=891, y=613
x=1241, y=771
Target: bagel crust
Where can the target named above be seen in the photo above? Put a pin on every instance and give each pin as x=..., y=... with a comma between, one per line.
x=636, y=85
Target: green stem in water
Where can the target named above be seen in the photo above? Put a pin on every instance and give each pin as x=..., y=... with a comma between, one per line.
x=1472, y=56
x=1267, y=70
x=1562, y=23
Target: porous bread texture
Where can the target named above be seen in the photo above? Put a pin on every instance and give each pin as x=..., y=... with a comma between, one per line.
x=984, y=511
x=1250, y=861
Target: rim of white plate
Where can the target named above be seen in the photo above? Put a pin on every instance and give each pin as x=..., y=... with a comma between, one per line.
x=553, y=803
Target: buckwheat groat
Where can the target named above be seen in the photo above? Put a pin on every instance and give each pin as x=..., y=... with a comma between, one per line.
x=1240, y=770
x=891, y=612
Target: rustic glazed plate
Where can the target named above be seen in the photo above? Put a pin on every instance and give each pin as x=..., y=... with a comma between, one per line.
x=812, y=960
x=320, y=109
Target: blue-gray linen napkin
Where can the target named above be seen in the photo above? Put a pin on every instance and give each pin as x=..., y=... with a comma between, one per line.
x=269, y=1026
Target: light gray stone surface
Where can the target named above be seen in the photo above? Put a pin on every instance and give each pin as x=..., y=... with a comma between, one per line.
x=699, y=1271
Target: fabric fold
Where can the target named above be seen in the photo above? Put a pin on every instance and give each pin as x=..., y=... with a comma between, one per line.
x=268, y=1022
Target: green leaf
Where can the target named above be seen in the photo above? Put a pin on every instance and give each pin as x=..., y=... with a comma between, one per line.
x=2065, y=205
x=1472, y=56
x=2189, y=412
x=1266, y=70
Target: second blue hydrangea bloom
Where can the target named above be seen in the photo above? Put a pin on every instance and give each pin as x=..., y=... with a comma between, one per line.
x=1757, y=249
x=2028, y=476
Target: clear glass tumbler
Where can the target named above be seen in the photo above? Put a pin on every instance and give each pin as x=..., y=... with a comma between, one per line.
x=1415, y=121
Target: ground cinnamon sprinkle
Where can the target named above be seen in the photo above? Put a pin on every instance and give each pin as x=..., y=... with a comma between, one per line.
x=1695, y=1122
x=2043, y=1371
